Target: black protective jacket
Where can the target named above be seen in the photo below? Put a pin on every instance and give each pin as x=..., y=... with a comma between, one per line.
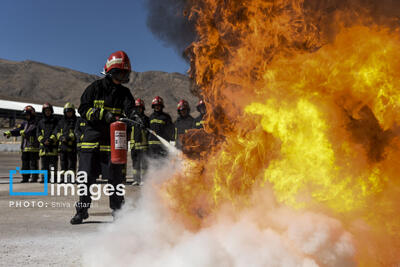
x=65, y=133
x=46, y=131
x=79, y=131
x=198, y=122
x=139, y=136
x=27, y=130
x=183, y=124
x=100, y=97
x=161, y=123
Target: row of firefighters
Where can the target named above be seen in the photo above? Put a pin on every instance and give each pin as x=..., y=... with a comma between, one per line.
x=50, y=138
x=102, y=103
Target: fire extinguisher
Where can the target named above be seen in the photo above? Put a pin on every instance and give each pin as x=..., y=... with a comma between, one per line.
x=119, y=146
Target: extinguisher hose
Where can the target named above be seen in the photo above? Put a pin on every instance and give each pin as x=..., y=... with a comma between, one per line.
x=163, y=141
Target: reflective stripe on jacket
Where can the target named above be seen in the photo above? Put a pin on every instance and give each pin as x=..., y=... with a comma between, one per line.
x=100, y=97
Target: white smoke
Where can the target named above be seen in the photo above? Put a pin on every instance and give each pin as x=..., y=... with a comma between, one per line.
x=145, y=235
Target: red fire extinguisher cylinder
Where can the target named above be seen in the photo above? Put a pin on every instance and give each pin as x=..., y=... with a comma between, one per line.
x=119, y=143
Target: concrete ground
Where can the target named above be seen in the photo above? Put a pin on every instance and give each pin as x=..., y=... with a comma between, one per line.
x=35, y=230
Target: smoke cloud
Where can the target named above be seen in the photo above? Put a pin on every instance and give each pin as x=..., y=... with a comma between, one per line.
x=167, y=21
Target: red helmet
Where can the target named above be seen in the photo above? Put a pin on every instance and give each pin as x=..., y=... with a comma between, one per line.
x=183, y=104
x=29, y=110
x=118, y=60
x=157, y=101
x=201, y=103
x=118, y=67
x=139, y=103
x=47, y=105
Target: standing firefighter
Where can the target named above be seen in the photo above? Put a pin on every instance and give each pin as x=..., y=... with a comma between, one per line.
x=101, y=104
x=199, y=121
x=47, y=139
x=184, y=122
x=161, y=124
x=139, y=143
x=29, y=143
x=67, y=139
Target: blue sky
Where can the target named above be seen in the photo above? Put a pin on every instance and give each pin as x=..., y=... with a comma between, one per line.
x=81, y=34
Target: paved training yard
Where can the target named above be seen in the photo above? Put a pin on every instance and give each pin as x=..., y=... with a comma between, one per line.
x=35, y=230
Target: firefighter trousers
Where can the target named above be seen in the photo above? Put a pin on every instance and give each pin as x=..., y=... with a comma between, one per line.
x=30, y=161
x=48, y=162
x=139, y=164
x=95, y=163
x=157, y=151
x=68, y=161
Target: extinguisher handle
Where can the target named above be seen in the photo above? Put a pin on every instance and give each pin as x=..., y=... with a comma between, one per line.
x=132, y=122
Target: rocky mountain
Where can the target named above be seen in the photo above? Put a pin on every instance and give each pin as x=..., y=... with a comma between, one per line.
x=35, y=82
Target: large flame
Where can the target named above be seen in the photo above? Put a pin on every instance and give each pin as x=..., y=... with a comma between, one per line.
x=314, y=120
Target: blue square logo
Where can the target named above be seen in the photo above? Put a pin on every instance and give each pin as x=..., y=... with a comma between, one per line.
x=45, y=174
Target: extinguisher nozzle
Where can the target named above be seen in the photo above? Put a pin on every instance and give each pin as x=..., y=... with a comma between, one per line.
x=131, y=122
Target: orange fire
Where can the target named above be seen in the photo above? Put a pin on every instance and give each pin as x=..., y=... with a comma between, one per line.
x=316, y=121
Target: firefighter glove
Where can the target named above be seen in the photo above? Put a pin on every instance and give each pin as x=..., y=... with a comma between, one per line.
x=109, y=117
x=7, y=134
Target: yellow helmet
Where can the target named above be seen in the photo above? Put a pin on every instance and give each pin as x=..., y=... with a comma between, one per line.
x=69, y=106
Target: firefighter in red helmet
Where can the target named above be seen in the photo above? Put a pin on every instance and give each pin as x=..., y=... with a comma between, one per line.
x=199, y=121
x=29, y=143
x=46, y=132
x=184, y=121
x=161, y=124
x=102, y=103
x=139, y=142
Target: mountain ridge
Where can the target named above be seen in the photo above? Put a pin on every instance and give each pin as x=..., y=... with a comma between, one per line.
x=37, y=82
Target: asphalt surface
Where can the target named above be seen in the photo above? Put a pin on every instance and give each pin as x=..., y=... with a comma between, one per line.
x=8, y=161
x=35, y=230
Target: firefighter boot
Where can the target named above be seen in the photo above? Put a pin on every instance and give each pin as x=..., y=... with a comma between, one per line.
x=34, y=179
x=80, y=216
